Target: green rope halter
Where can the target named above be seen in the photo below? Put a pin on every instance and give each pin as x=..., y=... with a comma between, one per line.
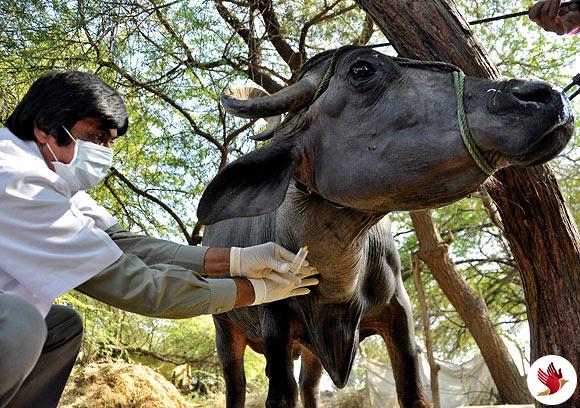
x=325, y=79
x=474, y=151
x=459, y=81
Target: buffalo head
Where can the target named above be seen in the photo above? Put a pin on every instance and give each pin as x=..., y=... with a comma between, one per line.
x=376, y=133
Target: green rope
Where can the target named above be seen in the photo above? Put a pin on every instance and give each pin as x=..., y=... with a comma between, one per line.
x=325, y=80
x=476, y=154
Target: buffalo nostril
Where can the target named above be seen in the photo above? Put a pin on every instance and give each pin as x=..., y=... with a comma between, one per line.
x=533, y=92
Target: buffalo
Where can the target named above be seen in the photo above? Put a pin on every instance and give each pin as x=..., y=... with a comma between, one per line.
x=364, y=134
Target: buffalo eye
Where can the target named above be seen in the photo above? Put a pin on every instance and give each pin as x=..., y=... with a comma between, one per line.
x=362, y=71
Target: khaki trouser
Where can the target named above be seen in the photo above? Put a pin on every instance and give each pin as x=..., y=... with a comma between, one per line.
x=36, y=354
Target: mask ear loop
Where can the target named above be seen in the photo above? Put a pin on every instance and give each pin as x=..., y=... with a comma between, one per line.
x=51, y=152
x=68, y=133
x=50, y=149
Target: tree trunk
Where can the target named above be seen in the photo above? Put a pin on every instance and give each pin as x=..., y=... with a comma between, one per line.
x=544, y=239
x=433, y=366
x=539, y=227
x=511, y=386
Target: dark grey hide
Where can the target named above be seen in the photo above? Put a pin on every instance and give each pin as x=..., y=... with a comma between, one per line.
x=380, y=137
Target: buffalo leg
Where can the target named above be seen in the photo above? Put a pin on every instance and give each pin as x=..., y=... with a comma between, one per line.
x=282, y=391
x=310, y=373
x=231, y=344
x=399, y=337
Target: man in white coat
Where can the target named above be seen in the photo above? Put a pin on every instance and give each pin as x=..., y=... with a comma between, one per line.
x=55, y=238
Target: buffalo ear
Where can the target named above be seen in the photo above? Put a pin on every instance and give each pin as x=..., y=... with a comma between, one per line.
x=255, y=184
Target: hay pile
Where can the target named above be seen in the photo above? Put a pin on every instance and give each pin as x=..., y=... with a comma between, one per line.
x=120, y=385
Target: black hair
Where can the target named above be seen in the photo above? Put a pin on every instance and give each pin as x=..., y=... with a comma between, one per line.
x=60, y=99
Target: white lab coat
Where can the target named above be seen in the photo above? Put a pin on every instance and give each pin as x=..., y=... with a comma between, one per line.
x=50, y=242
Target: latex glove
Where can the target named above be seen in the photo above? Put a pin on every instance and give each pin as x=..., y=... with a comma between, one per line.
x=551, y=17
x=266, y=261
x=267, y=290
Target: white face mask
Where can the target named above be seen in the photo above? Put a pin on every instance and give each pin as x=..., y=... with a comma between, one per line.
x=89, y=165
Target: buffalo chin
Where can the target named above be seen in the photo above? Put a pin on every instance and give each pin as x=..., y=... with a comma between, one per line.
x=547, y=147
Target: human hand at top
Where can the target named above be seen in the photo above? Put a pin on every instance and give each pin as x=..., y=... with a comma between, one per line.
x=267, y=261
x=551, y=17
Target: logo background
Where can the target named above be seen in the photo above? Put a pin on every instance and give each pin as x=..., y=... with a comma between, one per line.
x=568, y=373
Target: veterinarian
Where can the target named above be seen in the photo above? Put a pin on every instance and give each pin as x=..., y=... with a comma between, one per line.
x=551, y=17
x=54, y=238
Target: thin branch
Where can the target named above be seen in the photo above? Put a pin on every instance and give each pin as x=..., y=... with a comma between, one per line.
x=492, y=211
x=233, y=21
x=253, y=72
x=257, y=76
x=367, y=32
x=107, y=184
x=488, y=260
x=292, y=58
x=175, y=360
x=190, y=61
x=236, y=132
x=145, y=194
x=323, y=15
x=110, y=64
x=167, y=99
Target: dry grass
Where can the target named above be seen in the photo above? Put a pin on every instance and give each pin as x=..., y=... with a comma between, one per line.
x=120, y=385
x=117, y=384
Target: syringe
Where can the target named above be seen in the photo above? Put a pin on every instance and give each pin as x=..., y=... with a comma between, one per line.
x=298, y=260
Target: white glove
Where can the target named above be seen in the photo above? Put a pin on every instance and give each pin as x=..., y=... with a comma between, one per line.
x=266, y=261
x=268, y=290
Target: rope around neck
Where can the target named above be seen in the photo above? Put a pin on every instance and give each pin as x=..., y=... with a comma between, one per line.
x=474, y=151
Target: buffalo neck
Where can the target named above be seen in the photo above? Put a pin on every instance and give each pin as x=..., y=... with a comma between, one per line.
x=337, y=240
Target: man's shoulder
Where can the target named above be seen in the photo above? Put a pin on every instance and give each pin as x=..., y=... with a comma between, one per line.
x=14, y=168
x=23, y=171
x=19, y=155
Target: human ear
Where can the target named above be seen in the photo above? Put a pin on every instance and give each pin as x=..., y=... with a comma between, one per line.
x=41, y=136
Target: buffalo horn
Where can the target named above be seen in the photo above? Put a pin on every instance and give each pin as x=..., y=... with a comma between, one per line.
x=245, y=93
x=286, y=100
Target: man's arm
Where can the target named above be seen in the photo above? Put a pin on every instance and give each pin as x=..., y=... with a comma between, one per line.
x=164, y=290
x=154, y=251
x=267, y=265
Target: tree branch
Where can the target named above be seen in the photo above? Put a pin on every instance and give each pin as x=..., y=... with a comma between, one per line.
x=318, y=18
x=110, y=64
x=175, y=360
x=488, y=260
x=157, y=201
x=256, y=75
x=107, y=184
x=292, y=58
x=167, y=99
x=253, y=72
x=190, y=61
x=366, y=33
x=233, y=22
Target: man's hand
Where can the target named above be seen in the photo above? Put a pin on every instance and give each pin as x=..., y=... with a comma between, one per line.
x=267, y=290
x=551, y=17
x=266, y=261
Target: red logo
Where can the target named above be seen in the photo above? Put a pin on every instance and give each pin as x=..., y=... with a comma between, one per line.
x=553, y=380
x=546, y=383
